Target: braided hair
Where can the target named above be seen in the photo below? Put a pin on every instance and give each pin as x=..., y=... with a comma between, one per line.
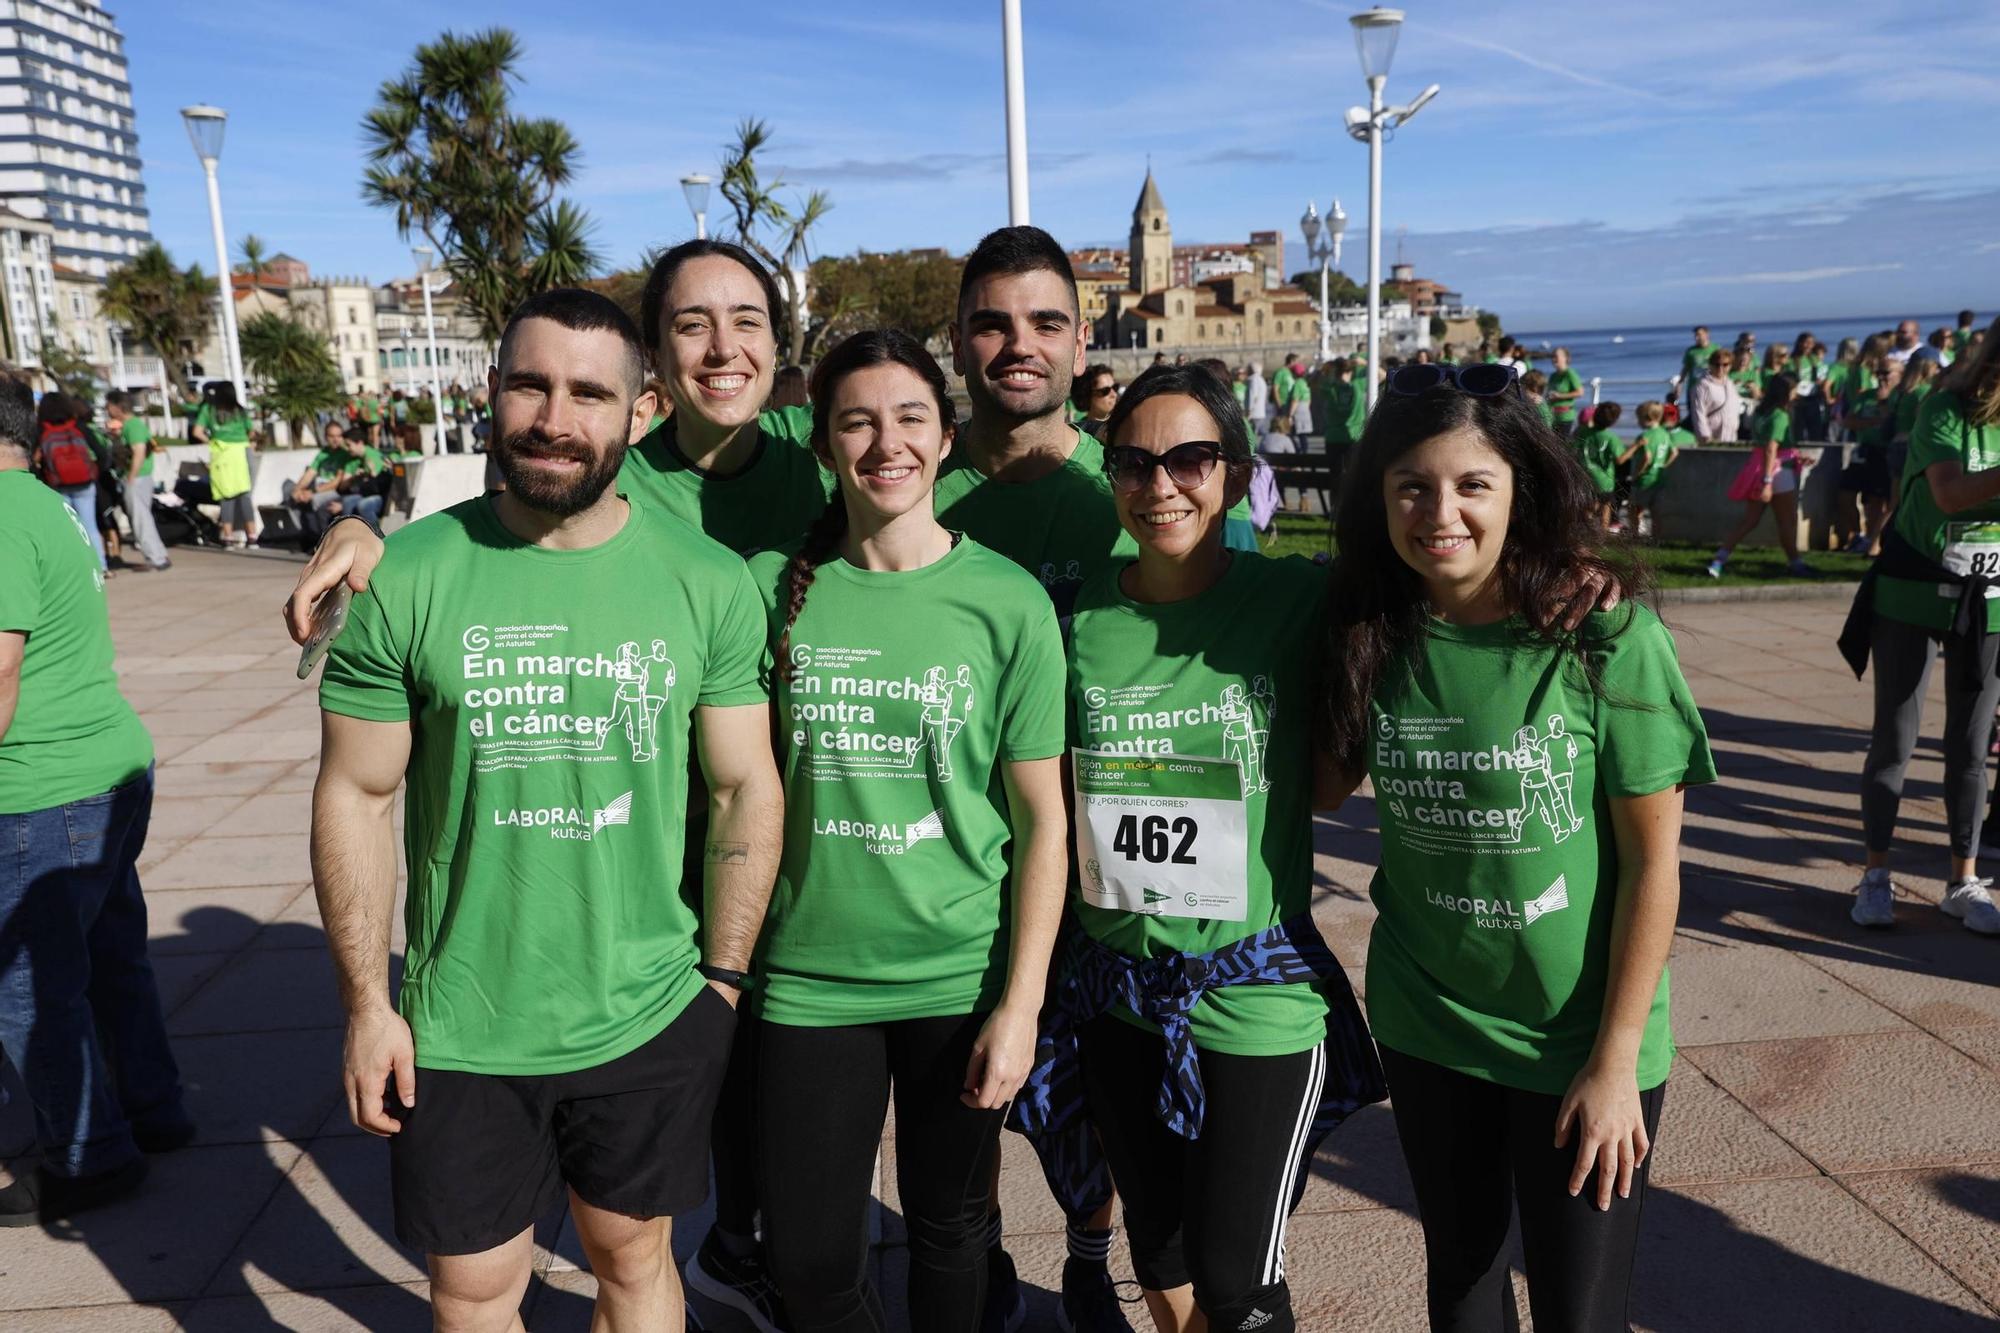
x=874, y=347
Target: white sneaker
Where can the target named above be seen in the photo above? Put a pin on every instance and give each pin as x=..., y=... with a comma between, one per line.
x=1971, y=902
x=1874, y=900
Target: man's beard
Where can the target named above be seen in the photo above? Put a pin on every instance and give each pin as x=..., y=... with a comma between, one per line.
x=556, y=496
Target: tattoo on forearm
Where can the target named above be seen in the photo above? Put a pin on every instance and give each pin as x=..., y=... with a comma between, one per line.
x=728, y=853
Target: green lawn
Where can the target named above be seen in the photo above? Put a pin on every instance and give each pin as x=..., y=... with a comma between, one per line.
x=1675, y=564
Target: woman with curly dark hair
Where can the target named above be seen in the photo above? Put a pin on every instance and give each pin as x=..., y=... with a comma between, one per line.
x=918, y=697
x=1528, y=784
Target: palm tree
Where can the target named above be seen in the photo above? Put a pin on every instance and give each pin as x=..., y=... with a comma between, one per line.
x=478, y=182
x=300, y=377
x=255, y=262
x=165, y=307
x=756, y=204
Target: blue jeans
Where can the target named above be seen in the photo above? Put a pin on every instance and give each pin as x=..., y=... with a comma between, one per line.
x=79, y=1011
x=83, y=501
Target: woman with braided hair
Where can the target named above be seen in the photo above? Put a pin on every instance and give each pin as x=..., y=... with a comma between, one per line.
x=917, y=679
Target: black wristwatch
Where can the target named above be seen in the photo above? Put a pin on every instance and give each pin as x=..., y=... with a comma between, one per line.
x=358, y=518
x=728, y=976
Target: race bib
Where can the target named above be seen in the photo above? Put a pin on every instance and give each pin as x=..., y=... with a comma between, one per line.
x=1971, y=550
x=1162, y=834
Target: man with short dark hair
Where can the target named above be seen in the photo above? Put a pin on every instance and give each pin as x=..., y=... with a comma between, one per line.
x=529, y=663
x=1909, y=337
x=80, y=1014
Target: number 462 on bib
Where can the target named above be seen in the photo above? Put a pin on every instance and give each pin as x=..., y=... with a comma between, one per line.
x=1161, y=835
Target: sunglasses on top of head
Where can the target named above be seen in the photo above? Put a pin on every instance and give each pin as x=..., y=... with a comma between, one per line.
x=1484, y=380
x=1187, y=465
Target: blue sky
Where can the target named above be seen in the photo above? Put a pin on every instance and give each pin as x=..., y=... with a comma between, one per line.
x=1586, y=165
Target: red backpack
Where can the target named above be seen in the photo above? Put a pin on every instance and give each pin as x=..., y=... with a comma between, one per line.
x=67, y=459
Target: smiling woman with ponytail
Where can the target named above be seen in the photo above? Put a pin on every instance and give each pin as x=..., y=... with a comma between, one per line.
x=918, y=685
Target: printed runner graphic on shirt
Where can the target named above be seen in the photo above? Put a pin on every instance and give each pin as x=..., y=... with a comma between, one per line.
x=532, y=696
x=1126, y=720
x=1424, y=783
x=850, y=724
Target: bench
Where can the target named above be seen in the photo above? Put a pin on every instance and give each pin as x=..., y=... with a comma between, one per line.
x=1306, y=472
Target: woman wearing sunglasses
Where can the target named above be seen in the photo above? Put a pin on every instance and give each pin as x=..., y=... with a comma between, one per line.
x=918, y=697
x=1528, y=786
x=1219, y=1038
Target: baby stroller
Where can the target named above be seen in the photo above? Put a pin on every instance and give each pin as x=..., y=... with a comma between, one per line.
x=178, y=513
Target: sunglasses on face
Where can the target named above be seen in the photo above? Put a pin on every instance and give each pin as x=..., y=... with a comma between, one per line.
x=1188, y=465
x=1480, y=381
x=1105, y=391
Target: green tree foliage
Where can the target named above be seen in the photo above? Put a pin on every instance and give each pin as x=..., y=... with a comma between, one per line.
x=778, y=233
x=1489, y=325
x=253, y=259
x=164, y=307
x=912, y=290
x=460, y=169
x=72, y=371
x=295, y=368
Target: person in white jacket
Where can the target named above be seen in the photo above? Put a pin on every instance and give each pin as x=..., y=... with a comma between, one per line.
x=1718, y=407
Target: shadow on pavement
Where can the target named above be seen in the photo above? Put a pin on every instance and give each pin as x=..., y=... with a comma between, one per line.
x=291, y=1243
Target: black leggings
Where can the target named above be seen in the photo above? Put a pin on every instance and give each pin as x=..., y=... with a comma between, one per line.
x=1211, y=1210
x=1476, y=1151
x=821, y=1095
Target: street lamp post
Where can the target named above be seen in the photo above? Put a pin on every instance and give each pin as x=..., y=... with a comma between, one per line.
x=695, y=187
x=1017, y=114
x=204, y=127
x=1375, y=33
x=1323, y=248
x=425, y=257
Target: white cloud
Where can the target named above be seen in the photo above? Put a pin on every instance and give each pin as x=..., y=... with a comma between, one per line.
x=1783, y=275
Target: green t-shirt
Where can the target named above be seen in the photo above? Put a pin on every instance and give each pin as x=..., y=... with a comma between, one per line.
x=1341, y=411
x=1960, y=340
x=1657, y=450
x=1907, y=402
x=549, y=693
x=1565, y=381
x=1837, y=376
x=911, y=690
x=1694, y=361
x=1941, y=434
x=1225, y=675
x=1860, y=386
x=1281, y=385
x=1599, y=450
x=766, y=504
x=1680, y=437
x=370, y=408
x=1062, y=527
x=73, y=735
x=1548, y=414
x=137, y=434
x=236, y=430
x=1772, y=424
x=1494, y=768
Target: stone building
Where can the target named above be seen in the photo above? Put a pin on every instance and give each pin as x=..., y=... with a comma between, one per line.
x=1235, y=304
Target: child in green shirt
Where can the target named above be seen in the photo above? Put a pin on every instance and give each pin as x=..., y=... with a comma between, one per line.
x=1601, y=452
x=1652, y=454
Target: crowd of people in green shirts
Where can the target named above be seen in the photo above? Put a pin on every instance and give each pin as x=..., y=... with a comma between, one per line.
x=989, y=768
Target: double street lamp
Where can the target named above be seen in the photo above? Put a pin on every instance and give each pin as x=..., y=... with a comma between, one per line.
x=204, y=127
x=695, y=187
x=1323, y=248
x=1375, y=33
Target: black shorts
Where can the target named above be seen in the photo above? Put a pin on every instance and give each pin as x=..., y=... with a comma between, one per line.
x=481, y=1156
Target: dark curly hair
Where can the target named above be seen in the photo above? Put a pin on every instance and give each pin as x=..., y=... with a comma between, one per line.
x=1377, y=608
x=873, y=347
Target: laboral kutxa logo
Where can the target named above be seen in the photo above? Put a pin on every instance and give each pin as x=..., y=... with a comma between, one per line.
x=1498, y=913
x=883, y=839
x=568, y=821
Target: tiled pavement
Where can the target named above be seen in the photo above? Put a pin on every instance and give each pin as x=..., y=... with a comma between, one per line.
x=1829, y=1158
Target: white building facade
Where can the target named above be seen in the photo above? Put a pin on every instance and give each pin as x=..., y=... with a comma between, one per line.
x=69, y=149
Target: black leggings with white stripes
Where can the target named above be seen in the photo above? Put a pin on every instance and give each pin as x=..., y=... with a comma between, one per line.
x=1212, y=1210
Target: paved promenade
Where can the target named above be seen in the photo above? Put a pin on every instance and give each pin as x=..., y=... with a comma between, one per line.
x=1829, y=1157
